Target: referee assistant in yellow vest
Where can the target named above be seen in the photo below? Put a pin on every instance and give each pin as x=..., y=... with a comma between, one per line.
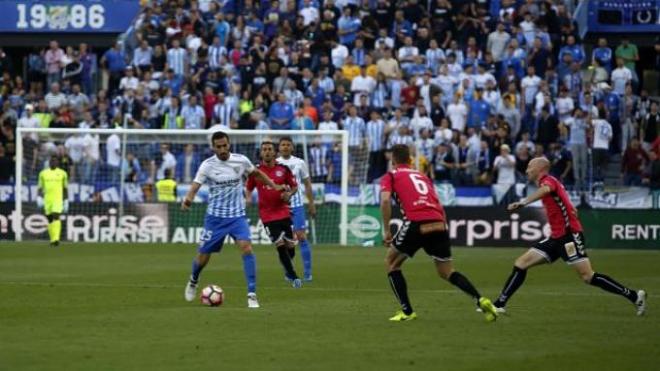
x=166, y=188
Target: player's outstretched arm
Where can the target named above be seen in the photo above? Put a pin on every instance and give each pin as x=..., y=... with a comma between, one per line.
x=266, y=180
x=539, y=194
x=190, y=196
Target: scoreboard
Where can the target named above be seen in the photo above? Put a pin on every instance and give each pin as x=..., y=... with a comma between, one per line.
x=624, y=16
x=73, y=16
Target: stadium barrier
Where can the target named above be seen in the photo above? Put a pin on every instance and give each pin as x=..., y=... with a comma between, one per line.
x=469, y=226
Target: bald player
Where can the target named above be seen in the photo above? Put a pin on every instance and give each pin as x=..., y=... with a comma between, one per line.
x=566, y=241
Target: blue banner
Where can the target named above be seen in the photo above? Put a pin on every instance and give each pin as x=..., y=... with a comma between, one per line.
x=615, y=16
x=88, y=16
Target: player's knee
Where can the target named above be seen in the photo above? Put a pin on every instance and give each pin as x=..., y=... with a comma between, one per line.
x=522, y=263
x=301, y=235
x=586, y=277
x=246, y=249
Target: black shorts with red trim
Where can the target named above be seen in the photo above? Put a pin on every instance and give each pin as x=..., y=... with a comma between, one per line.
x=570, y=247
x=432, y=236
x=280, y=231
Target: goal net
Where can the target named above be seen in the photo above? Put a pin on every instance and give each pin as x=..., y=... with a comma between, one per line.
x=114, y=176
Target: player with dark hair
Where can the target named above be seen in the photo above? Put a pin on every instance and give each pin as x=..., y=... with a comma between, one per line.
x=225, y=214
x=301, y=173
x=274, y=207
x=424, y=226
x=566, y=241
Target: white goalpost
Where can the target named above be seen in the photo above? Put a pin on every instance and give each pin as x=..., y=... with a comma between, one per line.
x=113, y=176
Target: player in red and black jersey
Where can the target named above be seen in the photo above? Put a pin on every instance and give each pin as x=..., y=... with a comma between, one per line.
x=566, y=240
x=424, y=226
x=274, y=207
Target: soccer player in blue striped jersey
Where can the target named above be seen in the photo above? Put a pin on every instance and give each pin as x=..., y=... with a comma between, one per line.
x=301, y=172
x=225, y=215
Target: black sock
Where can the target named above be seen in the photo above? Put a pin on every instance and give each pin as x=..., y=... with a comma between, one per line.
x=607, y=283
x=398, y=283
x=462, y=282
x=292, y=253
x=512, y=284
x=285, y=259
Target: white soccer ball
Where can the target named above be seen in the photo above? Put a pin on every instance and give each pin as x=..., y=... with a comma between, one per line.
x=213, y=296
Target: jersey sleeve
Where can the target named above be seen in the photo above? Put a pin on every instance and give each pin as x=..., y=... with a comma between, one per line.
x=251, y=183
x=65, y=179
x=386, y=183
x=247, y=164
x=549, y=182
x=201, y=175
x=304, y=170
x=290, y=179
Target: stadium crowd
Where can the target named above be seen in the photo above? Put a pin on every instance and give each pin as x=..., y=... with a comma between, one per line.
x=476, y=94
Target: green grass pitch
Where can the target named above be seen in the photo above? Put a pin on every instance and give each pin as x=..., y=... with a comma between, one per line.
x=121, y=307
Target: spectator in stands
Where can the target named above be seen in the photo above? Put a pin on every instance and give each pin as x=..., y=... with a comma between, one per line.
x=443, y=163
x=55, y=98
x=548, y=127
x=53, y=59
x=633, y=163
x=601, y=143
x=281, y=114
x=483, y=165
x=113, y=157
x=505, y=165
x=114, y=65
x=561, y=163
x=577, y=144
x=650, y=126
x=193, y=114
x=630, y=55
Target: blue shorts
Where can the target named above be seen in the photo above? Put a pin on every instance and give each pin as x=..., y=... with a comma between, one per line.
x=217, y=228
x=299, y=218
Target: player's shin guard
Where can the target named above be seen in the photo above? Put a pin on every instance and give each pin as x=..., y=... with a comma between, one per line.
x=196, y=270
x=398, y=283
x=609, y=284
x=285, y=260
x=250, y=270
x=462, y=282
x=512, y=284
x=306, y=253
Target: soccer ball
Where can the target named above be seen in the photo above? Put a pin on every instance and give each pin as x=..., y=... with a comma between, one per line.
x=213, y=296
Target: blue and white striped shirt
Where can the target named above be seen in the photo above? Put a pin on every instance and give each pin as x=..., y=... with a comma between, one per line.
x=380, y=94
x=376, y=135
x=176, y=60
x=318, y=157
x=223, y=113
x=358, y=56
x=301, y=172
x=433, y=59
x=225, y=181
x=356, y=128
x=193, y=117
x=216, y=53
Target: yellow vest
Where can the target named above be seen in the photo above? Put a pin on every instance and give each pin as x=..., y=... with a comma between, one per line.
x=44, y=119
x=166, y=190
x=178, y=119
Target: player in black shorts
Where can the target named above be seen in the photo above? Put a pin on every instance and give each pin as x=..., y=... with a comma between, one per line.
x=274, y=208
